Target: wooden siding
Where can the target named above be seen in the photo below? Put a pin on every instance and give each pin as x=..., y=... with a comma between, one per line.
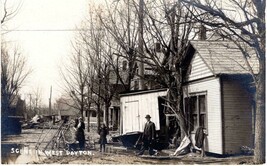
x=198, y=69
x=214, y=141
x=134, y=108
x=237, y=117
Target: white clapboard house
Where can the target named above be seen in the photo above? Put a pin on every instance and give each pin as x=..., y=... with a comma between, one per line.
x=219, y=95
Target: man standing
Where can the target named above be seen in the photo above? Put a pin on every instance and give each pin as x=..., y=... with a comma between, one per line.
x=148, y=137
x=103, y=132
x=80, y=126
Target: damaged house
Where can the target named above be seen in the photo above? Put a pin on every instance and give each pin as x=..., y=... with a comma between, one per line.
x=137, y=103
x=218, y=94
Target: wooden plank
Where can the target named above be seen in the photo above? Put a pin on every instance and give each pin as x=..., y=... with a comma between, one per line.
x=161, y=157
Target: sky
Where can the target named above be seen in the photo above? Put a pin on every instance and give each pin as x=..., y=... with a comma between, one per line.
x=43, y=31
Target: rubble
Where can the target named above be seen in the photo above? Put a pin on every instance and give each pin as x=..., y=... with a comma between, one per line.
x=116, y=153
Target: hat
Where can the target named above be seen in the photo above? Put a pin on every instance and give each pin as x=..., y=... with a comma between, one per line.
x=148, y=116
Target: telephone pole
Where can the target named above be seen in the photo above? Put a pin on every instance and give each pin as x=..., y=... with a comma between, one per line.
x=50, y=109
x=140, y=45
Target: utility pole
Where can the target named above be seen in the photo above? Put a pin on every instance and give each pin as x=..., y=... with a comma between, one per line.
x=140, y=45
x=36, y=105
x=50, y=107
x=128, y=25
x=30, y=102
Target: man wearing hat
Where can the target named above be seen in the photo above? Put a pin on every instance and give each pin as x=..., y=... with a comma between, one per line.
x=79, y=127
x=148, y=137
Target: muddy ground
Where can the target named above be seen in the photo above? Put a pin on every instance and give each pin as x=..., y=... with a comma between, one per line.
x=108, y=158
x=119, y=155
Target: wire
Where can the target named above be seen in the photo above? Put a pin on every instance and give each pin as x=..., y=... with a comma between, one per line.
x=44, y=30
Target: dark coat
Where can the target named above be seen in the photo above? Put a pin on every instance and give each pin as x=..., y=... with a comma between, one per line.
x=80, y=132
x=199, y=137
x=103, y=132
x=149, y=131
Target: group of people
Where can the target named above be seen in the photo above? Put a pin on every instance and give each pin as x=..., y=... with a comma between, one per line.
x=147, y=138
x=79, y=128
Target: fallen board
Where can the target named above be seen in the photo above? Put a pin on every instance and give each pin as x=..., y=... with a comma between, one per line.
x=161, y=157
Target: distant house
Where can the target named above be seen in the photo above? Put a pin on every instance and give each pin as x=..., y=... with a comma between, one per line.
x=219, y=95
x=150, y=75
x=64, y=109
x=92, y=114
x=11, y=121
x=116, y=84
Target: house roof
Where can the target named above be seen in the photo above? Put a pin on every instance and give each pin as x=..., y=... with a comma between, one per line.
x=224, y=57
x=69, y=112
x=139, y=92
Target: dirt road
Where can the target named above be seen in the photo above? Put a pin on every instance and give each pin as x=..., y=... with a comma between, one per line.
x=29, y=138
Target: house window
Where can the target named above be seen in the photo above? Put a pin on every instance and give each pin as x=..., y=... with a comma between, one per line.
x=124, y=65
x=202, y=111
x=93, y=113
x=136, y=86
x=157, y=47
x=197, y=111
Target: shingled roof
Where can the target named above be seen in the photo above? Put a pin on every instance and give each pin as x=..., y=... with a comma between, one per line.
x=224, y=57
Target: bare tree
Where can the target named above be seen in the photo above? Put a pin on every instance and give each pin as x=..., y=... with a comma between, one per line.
x=99, y=48
x=241, y=22
x=167, y=29
x=165, y=23
x=88, y=75
x=121, y=22
x=37, y=97
x=14, y=72
x=75, y=75
x=8, y=12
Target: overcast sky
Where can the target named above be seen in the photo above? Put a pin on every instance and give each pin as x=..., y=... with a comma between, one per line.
x=43, y=29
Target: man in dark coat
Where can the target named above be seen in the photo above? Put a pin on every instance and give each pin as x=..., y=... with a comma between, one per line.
x=148, y=137
x=199, y=138
x=103, y=132
x=80, y=126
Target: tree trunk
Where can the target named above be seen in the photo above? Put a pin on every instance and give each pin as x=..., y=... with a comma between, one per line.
x=182, y=120
x=82, y=103
x=88, y=120
x=259, y=153
x=107, y=115
x=98, y=117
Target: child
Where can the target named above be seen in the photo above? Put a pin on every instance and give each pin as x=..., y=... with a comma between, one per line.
x=103, y=132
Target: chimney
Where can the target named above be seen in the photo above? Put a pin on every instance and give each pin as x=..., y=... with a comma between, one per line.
x=202, y=33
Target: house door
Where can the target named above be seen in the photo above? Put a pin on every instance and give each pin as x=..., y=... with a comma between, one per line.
x=132, y=116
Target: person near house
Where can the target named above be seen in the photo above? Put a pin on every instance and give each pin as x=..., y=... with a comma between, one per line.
x=148, y=137
x=177, y=137
x=79, y=128
x=199, y=138
x=103, y=132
